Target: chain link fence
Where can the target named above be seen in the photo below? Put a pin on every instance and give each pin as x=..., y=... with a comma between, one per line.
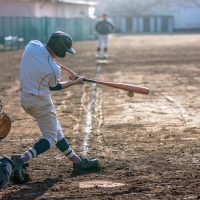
x=16, y=32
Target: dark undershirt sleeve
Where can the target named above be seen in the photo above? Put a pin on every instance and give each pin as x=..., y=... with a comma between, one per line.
x=56, y=88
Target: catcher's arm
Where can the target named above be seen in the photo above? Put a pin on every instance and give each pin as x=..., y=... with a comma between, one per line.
x=5, y=125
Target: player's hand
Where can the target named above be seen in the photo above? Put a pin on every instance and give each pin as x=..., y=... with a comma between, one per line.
x=73, y=76
x=80, y=80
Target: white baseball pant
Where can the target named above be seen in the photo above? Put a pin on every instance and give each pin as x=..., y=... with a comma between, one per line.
x=43, y=110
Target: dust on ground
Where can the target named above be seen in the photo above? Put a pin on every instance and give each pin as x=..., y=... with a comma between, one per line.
x=148, y=144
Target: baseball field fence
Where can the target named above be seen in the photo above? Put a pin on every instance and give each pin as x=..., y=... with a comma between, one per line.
x=15, y=32
x=144, y=24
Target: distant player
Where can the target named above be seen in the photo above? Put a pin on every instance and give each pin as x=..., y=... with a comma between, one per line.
x=103, y=27
x=39, y=74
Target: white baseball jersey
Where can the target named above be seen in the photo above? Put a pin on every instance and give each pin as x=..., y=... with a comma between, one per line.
x=38, y=71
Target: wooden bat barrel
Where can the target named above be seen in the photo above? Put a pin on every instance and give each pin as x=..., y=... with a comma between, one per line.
x=123, y=86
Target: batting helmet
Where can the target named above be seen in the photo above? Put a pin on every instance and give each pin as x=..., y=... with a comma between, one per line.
x=60, y=43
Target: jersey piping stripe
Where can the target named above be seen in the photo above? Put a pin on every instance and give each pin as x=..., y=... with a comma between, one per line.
x=41, y=82
x=53, y=71
x=46, y=76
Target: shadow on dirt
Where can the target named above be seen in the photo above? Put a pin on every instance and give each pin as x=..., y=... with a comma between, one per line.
x=32, y=190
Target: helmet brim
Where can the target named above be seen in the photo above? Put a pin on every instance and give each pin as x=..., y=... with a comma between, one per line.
x=71, y=50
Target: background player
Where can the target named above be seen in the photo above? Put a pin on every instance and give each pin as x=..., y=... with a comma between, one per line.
x=103, y=27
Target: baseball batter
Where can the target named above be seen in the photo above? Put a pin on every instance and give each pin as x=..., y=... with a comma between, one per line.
x=39, y=74
x=103, y=27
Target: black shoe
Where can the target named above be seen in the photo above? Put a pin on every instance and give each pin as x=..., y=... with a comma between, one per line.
x=86, y=166
x=18, y=175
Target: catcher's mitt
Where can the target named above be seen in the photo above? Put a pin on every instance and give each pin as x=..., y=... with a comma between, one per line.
x=5, y=125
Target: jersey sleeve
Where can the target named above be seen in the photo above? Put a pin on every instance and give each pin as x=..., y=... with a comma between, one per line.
x=98, y=27
x=54, y=76
x=112, y=25
x=53, y=81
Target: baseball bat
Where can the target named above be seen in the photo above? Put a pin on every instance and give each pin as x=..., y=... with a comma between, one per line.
x=122, y=86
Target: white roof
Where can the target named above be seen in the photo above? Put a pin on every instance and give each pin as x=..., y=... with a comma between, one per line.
x=82, y=2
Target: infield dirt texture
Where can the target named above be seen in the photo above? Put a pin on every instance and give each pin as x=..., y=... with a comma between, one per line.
x=149, y=145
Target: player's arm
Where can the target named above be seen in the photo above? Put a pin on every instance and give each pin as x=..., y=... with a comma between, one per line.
x=72, y=75
x=97, y=27
x=63, y=85
x=111, y=25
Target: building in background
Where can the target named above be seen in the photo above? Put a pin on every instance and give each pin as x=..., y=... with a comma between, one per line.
x=24, y=20
x=153, y=16
x=48, y=8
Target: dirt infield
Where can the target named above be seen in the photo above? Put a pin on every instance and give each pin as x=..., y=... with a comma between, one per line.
x=149, y=145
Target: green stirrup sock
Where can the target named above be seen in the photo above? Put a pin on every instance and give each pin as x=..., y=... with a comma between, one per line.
x=62, y=145
x=41, y=146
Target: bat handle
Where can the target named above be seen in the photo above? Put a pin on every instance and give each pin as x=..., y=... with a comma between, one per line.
x=89, y=80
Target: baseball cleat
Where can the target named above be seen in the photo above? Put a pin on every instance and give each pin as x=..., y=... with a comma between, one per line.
x=18, y=175
x=86, y=166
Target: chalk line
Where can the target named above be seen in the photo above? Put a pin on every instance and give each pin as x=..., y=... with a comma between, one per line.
x=89, y=117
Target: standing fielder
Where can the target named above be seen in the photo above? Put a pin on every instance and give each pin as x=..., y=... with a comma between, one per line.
x=39, y=74
x=103, y=28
